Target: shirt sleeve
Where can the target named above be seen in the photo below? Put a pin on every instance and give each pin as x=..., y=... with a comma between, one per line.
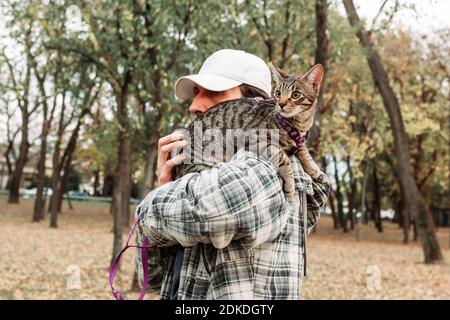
x=317, y=201
x=240, y=199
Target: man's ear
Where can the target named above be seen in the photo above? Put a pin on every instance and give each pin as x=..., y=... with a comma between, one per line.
x=315, y=76
x=277, y=74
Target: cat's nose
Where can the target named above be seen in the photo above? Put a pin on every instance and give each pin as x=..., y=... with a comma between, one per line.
x=282, y=103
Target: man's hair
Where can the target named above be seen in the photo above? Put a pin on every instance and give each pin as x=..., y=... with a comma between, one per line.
x=249, y=91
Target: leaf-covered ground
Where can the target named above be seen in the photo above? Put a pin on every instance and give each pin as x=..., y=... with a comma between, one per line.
x=379, y=267
x=37, y=262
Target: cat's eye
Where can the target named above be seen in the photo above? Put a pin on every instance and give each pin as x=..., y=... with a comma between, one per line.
x=277, y=94
x=295, y=95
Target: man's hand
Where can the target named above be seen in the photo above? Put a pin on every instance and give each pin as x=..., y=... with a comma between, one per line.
x=165, y=164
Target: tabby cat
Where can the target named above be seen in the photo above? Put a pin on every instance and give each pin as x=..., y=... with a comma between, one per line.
x=290, y=114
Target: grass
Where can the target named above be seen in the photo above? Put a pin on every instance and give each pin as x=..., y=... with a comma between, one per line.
x=37, y=261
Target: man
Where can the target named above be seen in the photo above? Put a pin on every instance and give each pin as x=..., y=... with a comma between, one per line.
x=228, y=232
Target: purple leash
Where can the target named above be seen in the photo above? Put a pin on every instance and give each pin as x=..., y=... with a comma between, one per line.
x=144, y=257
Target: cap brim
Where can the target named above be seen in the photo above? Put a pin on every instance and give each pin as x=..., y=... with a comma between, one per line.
x=184, y=86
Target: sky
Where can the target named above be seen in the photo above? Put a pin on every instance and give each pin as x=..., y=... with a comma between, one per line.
x=428, y=16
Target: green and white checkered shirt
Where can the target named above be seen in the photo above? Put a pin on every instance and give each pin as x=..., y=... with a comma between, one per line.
x=242, y=238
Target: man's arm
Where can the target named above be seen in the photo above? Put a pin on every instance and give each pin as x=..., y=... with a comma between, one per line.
x=240, y=199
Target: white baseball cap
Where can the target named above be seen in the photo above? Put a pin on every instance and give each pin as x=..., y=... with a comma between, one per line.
x=226, y=69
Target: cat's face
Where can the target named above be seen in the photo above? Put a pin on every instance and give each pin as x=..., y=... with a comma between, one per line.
x=293, y=94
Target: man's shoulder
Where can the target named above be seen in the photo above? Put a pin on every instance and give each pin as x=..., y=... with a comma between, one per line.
x=303, y=181
x=250, y=159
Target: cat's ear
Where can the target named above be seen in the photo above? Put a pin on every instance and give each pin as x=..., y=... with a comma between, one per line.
x=315, y=76
x=277, y=74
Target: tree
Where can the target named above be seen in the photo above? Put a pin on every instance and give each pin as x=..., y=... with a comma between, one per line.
x=124, y=43
x=107, y=49
x=11, y=134
x=39, y=203
x=411, y=194
x=82, y=97
x=53, y=68
x=320, y=57
x=20, y=80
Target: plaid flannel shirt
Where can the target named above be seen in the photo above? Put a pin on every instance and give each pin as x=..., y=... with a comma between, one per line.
x=242, y=238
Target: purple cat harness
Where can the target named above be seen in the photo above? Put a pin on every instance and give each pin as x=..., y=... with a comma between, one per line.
x=293, y=133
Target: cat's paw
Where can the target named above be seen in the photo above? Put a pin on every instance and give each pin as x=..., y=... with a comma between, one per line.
x=313, y=172
x=309, y=165
x=289, y=188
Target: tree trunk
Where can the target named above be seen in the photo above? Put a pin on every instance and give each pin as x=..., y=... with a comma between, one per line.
x=2, y=170
x=64, y=182
x=122, y=179
x=403, y=220
x=66, y=159
x=23, y=102
x=96, y=183
x=339, y=198
x=333, y=210
x=148, y=181
x=22, y=159
x=108, y=185
x=62, y=164
x=39, y=202
x=397, y=215
x=56, y=170
x=360, y=216
x=9, y=150
x=425, y=227
x=351, y=194
x=376, y=204
x=414, y=224
x=352, y=205
x=127, y=187
x=321, y=56
x=54, y=204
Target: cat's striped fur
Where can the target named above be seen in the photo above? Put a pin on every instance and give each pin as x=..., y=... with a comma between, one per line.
x=295, y=99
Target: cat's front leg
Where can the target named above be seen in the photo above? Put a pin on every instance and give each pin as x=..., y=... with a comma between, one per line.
x=284, y=165
x=308, y=163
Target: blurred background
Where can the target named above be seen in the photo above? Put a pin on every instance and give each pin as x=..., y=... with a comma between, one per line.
x=86, y=91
